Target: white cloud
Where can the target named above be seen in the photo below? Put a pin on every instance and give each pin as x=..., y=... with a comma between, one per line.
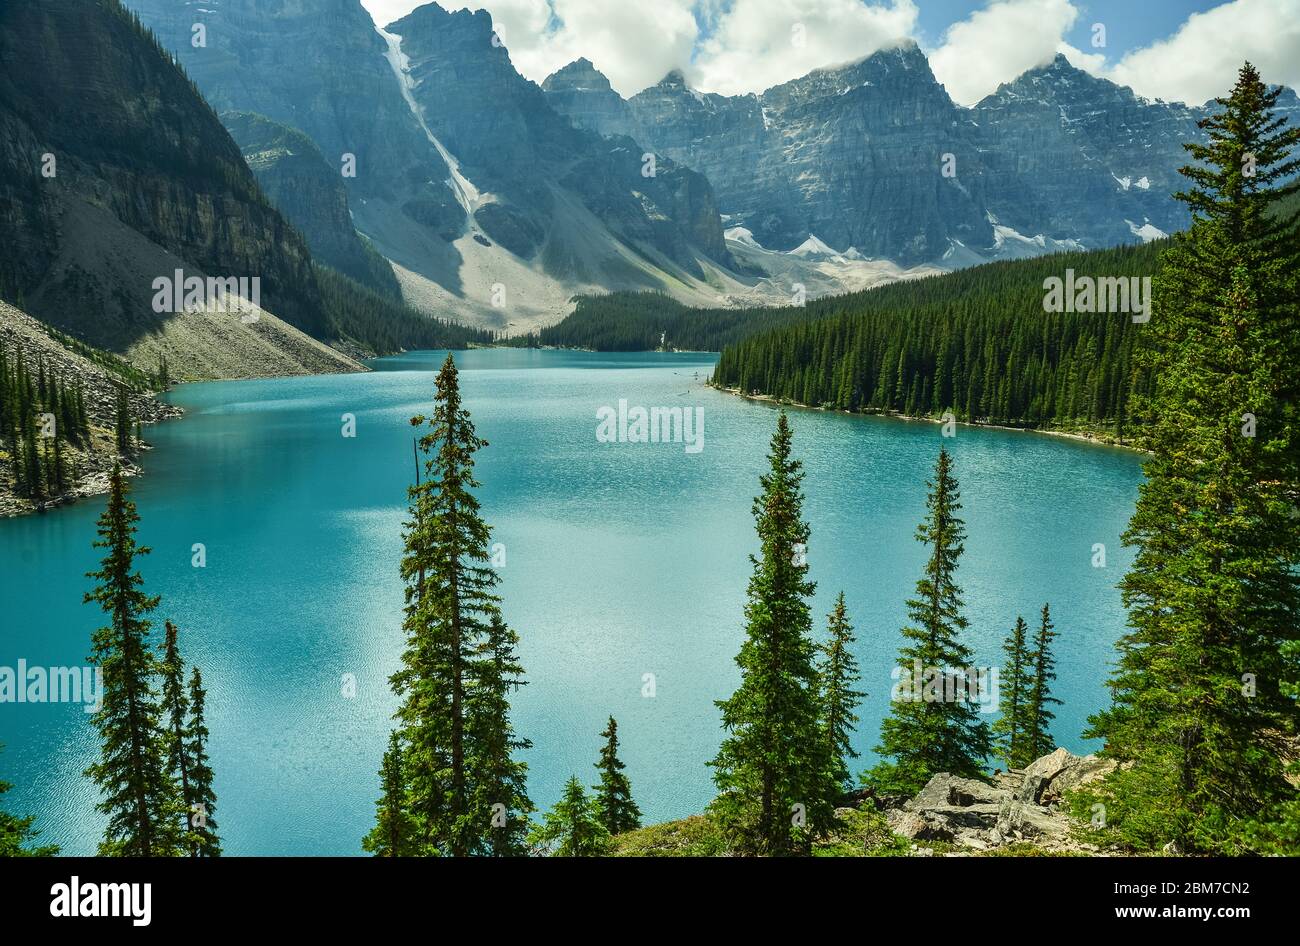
x=633, y=44
x=760, y=43
x=999, y=42
x=750, y=45
x=1201, y=59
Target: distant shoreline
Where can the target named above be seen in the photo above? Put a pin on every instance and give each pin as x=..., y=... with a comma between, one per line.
x=1092, y=439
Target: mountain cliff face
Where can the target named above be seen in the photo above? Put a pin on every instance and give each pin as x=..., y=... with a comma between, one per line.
x=310, y=193
x=849, y=155
x=465, y=176
x=1071, y=154
x=114, y=172
x=512, y=145
x=582, y=92
x=318, y=66
x=853, y=157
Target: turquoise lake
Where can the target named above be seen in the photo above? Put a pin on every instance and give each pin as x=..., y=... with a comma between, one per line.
x=622, y=560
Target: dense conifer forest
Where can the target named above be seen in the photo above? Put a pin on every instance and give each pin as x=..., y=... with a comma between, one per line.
x=977, y=343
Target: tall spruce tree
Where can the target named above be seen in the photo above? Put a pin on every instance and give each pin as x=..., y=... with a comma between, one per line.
x=771, y=771
x=938, y=729
x=1198, y=697
x=175, y=708
x=1010, y=731
x=500, y=781
x=573, y=827
x=138, y=794
x=614, y=804
x=459, y=659
x=1038, y=713
x=391, y=835
x=837, y=673
x=202, y=839
x=17, y=834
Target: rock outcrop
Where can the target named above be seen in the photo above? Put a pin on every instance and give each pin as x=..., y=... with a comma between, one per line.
x=1017, y=808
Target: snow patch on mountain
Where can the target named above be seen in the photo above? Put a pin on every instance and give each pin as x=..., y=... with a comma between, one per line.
x=813, y=247
x=1146, y=232
x=741, y=235
x=466, y=193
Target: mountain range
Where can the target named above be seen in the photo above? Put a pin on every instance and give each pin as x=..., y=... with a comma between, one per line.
x=415, y=159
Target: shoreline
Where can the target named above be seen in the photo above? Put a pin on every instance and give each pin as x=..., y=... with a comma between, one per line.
x=1089, y=439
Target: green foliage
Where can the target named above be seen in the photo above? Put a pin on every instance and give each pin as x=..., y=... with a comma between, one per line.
x=153, y=770
x=573, y=827
x=928, y=733
x=862, y=832
x=461, y=788
x=139, y=796
x=37, y=400
x=202, y=840
x=696, y=836
x=1200, y=701
x=393, y=833
x=837, y=673
x=1009, y=730
x=618, y=812
x=1038, y=715
x=772, y=775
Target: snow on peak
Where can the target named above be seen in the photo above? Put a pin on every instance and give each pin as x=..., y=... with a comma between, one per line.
x=1147, y=232
x=813, y=247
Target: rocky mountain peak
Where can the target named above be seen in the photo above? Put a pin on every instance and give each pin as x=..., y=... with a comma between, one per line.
x=581, y=75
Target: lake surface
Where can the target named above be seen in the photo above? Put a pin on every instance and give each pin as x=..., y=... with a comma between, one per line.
x=622, y=560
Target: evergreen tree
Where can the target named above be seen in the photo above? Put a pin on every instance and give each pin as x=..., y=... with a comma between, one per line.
x=391, y=835
x=771, y=771
x=202, y=839
x=1198, y=697
x=837, y=674
x=139, y=797
x=935, y=730
x=1010, y=731
x=499, y=779
x=614, y=804
x=459, y=659
x=1038, y=716
x=16, y=834
x=573, y=827
x=175, y=707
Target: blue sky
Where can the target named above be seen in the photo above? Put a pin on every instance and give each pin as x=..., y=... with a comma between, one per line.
x=1130, y=23
x=1185, y=50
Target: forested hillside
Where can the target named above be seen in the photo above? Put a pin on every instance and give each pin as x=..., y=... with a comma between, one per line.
x=978, y=343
